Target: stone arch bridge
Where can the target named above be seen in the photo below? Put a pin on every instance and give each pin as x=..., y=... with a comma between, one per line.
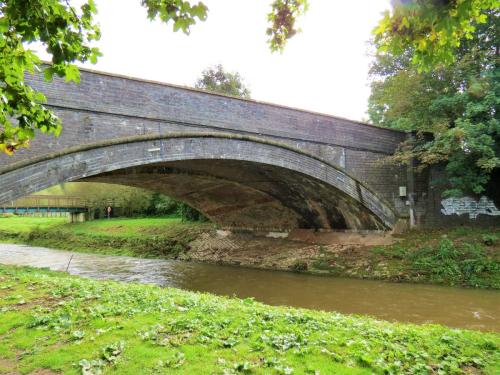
x=243, y=163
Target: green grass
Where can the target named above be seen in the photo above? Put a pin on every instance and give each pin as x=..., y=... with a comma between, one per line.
x=25, y=224
x=73, y=325
x=142, y=237
x=127, y=227
x=123, y=227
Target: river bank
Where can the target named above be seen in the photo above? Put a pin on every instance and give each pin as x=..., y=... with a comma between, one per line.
x=474, y=308
x=52, y=323
x=461, y=256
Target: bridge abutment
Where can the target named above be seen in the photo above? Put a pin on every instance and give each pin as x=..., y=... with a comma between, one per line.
x=78, y=217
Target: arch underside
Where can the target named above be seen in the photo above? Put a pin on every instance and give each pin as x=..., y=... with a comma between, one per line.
x=241, y=194
x=235, y=183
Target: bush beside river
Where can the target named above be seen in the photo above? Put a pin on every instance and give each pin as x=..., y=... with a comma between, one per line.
x=52, y=323
x=461, y=256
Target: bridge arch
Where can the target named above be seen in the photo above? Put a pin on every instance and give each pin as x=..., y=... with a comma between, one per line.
x=237, y=181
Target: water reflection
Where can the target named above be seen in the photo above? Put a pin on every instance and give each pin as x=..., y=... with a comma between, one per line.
x=465, y=308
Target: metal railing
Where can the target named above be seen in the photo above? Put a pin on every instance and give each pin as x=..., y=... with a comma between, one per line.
x=48, y=201
x=53, y=203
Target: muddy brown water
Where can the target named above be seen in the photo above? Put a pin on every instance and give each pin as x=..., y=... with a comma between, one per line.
x=454, y=307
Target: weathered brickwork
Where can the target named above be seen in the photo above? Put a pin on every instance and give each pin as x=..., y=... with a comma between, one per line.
x=314, y=171
x=306, y=191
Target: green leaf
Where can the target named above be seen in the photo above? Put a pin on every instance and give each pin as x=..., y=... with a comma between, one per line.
x=200, y=10
x=72, y=74
x=4, y=25
x=48, y=73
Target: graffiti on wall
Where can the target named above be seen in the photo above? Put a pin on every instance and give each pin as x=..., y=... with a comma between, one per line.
x=468, y=205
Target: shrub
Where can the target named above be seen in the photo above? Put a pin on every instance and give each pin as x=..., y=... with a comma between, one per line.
x=456, y=265
x=299, y=266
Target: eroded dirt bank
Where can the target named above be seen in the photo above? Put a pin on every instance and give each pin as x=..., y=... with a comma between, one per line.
x=460, y=257
x=301, y=251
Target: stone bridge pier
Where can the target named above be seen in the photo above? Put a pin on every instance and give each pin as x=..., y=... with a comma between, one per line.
x=244, y=164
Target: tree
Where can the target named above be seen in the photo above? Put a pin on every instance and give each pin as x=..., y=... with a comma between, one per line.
x=432, y=29
x=453, y=109
x=68, y=34
x=282, y=19
x=216, y=79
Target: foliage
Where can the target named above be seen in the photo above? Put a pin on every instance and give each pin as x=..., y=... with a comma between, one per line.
x=111, y=352
x=93, y=367
x=299, y=266
x=394, y=252
x=453, y=257
x=185, y=330
x=282, y=19
x=432, y=29
x=216, y=79
x=161, y=205
x=68, y=34
x=452, y=110
x=188, y=213
x=182, y=14
x=458, y=265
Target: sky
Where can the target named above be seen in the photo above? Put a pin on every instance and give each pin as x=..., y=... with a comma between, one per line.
x=323, y=69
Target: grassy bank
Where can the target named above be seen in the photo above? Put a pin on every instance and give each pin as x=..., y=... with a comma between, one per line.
x=54, y=323
x=141, y=237
x=461, y=256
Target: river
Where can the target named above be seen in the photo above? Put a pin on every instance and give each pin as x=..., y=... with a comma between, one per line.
x=454, y=307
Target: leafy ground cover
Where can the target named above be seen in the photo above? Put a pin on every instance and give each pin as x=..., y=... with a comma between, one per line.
x=55, y=323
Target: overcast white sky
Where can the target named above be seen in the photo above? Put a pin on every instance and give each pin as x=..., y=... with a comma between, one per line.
x=322, y=69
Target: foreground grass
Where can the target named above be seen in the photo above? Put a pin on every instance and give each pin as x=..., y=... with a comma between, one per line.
x=141, y=237
x=73, y=325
